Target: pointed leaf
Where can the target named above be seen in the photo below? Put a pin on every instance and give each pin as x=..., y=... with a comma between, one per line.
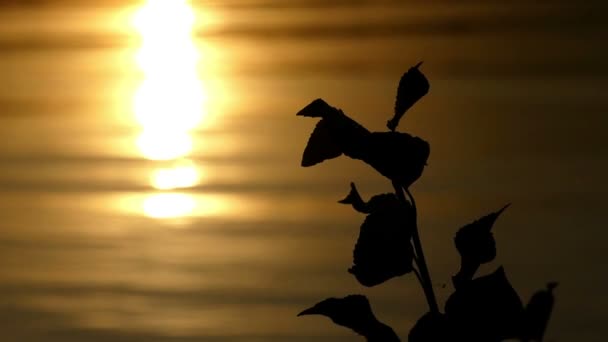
x=317, y=108
x=321, y=145
x=335, y=134
x=355, y=313
x=388, y=201
x=353, y=198
x=383, y=249
x=397, y=156
x=412, y=86
x=485, y=309
x=475, y=241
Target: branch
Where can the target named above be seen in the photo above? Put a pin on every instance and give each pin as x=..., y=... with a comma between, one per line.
x=427, y=284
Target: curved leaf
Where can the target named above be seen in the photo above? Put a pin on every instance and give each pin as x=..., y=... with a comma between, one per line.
x=475, y=241
x=321, y=145
x=388, y=201
x=335, y=134
x=353, y=198
x=355, y=313
x=412, y=86
x=476, y=245
x=397, y=156
x=383, y=249
x=485, y=309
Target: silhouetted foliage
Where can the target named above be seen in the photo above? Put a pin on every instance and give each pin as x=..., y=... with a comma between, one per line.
x=354, y=312
x=412, y=87
x=476, y=246
x=432, y=326
x=538, y=312
x=383, y=250
x=387, y=201
x=397, y=156
x=485, y=309
x=482, y=309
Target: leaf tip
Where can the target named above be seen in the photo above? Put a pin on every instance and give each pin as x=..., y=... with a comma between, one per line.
x=503, y=208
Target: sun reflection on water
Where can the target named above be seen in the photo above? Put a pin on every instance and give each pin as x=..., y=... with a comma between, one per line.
x=168, y=205
x=184, y=174
x=169, y=103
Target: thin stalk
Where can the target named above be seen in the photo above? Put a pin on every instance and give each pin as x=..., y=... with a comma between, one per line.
x=424, y=271
x=427, y=284
x=417, y=276
x=414, y=252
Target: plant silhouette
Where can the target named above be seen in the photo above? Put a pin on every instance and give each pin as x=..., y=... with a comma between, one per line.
x=384, y=240
x=397, y=156
x=481, y=309
x=354, y=312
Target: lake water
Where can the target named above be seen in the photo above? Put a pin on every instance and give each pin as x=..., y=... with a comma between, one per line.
x=150, y=187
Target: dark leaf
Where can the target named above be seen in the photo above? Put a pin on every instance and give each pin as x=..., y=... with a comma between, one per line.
x=388, y=201
x=412, y=86
x=317, y=109
x=377, y=203
x=476, y=245
x=320, y=145
x=383, y=249
x=354, y=312
x=538, y=312
x=475, y=241
x=353, y=198
x=397, y=156
x=485, y=309
x=432, y=327
x=336, y=130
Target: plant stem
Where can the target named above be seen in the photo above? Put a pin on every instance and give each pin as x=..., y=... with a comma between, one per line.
x=417, y=276
x=427, y=284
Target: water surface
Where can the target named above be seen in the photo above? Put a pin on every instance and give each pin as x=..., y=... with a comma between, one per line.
x=149, y=171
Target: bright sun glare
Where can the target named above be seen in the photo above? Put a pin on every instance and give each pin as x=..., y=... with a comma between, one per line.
x=170, y=100
x=169, y=103
x=182, y=175
x=169, y=205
